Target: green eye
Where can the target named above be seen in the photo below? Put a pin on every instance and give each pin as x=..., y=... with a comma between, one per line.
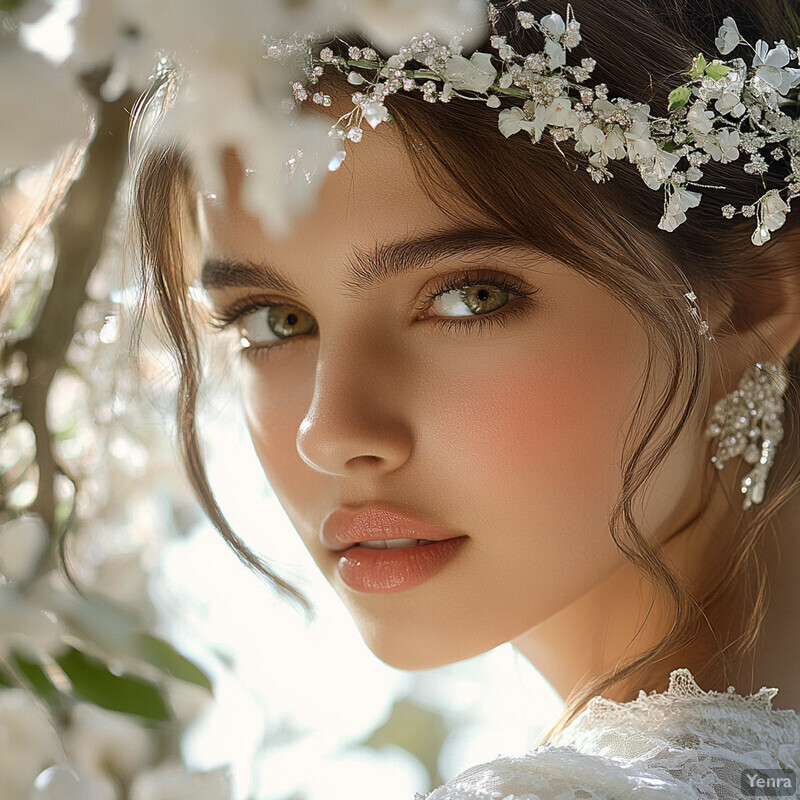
x=478, y=298
x=272, y=323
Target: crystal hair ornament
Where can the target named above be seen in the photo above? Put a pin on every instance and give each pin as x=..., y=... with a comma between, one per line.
x=725, y=110
x=749, y=421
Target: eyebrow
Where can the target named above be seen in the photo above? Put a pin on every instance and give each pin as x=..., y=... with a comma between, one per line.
x=367, y=268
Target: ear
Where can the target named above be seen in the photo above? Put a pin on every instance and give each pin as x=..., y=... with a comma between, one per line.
x=762, y=323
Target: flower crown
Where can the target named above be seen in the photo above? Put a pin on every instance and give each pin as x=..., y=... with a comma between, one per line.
x=560, y=99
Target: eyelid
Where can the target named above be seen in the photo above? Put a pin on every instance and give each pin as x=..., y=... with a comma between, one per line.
x=230, y=314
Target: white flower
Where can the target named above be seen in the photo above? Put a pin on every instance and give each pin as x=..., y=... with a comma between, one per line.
x=593, y=137
x=680, y=200
x=70, y=783
x=28, y=743
x=728, y=36
x=42, y=106
x=773, y=210
x=640, y=145
x=475, y=74
x=724, y=145
x=730, y=103
x=770, y=65
x=554, y=24
x=540, y=120
x=104, y=741
x=656, y=171
x=556, y=55
x=174, y=782
x=699, y=119
x=561, y=114
x=375, y=112
x=614, y=145
x=25, y=627
x=512, y=120
x=22, y=543
x=391, y=23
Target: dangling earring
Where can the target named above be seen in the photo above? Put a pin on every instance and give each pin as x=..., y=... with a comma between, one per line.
x=751, y=412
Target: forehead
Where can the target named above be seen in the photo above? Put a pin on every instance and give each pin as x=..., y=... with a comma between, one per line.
x=372, y=196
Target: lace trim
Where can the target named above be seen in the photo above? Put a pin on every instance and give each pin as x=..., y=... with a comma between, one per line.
x=682, y=684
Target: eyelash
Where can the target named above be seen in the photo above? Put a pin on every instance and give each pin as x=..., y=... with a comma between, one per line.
x=479, y=323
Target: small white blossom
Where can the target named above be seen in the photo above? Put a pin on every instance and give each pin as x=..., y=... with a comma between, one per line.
x=724, y=145
x=375, y=112
x=639, y=142
x=699, y=119
x=512, y=120
x=592, y=136
x=680, y=200
x=656, y=171
x=770, y=65
x=773, y=210
x=728, y=36
x=556, y=55
x=22, y=543
x=730, y=103
x=474, y=74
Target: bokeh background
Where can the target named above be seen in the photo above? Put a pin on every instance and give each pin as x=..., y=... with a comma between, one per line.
x=167, y=670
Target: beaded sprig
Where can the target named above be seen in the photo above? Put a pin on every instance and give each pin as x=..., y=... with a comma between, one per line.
x=724, y=108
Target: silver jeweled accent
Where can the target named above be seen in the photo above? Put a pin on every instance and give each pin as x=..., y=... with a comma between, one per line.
x=749, y=421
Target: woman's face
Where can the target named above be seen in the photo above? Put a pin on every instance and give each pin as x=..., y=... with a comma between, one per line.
x=478, y=385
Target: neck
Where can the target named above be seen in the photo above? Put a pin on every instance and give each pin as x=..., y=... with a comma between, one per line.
x=614, y=620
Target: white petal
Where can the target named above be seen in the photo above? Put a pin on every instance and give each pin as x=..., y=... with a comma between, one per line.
x=554, y=24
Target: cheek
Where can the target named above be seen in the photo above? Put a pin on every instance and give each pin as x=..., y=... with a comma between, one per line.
x=275, y=399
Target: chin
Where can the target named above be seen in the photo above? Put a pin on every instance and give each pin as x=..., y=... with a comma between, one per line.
x=406, y=646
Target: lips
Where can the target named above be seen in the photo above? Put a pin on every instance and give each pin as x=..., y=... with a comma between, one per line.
x=344, y=528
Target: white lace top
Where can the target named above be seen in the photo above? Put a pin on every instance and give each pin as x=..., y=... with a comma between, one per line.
x=682, y=744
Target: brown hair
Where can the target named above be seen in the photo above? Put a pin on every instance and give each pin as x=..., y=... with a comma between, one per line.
x=610, y=237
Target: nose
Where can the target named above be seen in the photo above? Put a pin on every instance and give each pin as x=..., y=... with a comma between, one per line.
x=356, y=423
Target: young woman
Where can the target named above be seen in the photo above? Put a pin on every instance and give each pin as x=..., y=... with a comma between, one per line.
x=480, y=386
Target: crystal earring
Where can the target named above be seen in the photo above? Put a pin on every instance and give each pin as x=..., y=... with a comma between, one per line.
x=751, y=412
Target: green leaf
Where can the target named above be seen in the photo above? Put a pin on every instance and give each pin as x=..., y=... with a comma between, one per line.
x=92, y=680
x=34, y=674
x=700, y=63
x=5, y=680
x=669, y=146
x=716, y=70
x=679, y=97
x=163, y=655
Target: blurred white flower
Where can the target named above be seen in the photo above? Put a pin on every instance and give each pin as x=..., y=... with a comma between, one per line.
x=33, y=93
x=391, y=23
x=107, y=34
x=728, y=36
x=71, y=783
x=22, y=543
x=105, y=742
x=28, y=743
x=25, y=627
x=174, y=782
x=473, y=74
